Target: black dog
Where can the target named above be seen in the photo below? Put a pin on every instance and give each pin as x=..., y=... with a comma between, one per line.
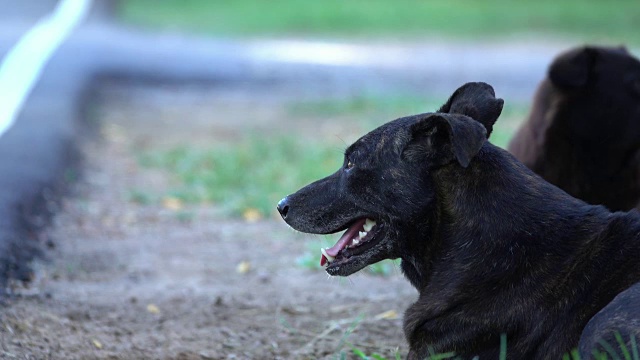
x=491, y=247
x=583, y=133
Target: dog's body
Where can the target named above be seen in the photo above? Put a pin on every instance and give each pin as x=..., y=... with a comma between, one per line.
x=491, y=247
x=583, y=132
x=522, y=258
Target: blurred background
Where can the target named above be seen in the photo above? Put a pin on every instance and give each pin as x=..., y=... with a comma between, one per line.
x=332, y=70
x=194, y=117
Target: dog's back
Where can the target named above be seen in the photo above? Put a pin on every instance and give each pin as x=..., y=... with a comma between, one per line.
x=583, y=133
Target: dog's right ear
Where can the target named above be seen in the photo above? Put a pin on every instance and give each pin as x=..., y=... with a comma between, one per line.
x=439, y=139
x=476, y=100
x=572, y=69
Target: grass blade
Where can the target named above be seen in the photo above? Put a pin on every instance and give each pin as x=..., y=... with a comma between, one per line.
x=609, y=349
x=634, y=347
x=623, y=346
x=503, y=347
x=359, y=353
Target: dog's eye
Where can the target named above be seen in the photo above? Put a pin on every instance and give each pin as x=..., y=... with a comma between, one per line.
x=350, y=164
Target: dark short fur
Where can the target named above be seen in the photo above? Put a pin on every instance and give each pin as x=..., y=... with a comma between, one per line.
x=491, y=247
x=583, y=133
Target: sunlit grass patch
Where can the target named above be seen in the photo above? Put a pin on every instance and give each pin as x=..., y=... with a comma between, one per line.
x=507, y=124
x=583, y=20
x=251, y=175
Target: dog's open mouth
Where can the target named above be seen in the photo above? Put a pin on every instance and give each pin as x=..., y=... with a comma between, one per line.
x=358, y=238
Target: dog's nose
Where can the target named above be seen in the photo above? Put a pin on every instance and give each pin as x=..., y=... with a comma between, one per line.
x=283, y=207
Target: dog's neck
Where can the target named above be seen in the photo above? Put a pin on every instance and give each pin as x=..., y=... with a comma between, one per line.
x=499, y=230
x=487, y=208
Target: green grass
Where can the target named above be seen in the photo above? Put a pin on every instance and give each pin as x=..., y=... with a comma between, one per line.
x=384, y=108
x=611, y=353
x=140, y=197
x=584, y=20
x=250, y=175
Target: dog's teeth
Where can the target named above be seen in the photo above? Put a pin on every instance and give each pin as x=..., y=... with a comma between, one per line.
x=329, y=257
x=363, y=234
x=356, y=241
x=369, y=224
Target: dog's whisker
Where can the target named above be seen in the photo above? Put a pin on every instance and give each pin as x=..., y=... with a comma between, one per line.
x=350, y=279
x=341, y=139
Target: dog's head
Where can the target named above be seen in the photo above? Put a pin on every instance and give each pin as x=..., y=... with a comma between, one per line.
x=384, y=193
x=601, y=86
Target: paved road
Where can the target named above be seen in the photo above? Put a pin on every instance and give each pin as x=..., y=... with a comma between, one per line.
x=37, y=153
x=312, y=68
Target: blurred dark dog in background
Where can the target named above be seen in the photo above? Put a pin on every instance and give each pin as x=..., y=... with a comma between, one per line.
x=583, y=132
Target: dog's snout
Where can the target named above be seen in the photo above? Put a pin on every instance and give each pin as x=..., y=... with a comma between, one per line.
x=283, y=207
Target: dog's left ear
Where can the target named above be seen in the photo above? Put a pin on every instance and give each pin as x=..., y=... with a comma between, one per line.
x=478, y=101
x=439, y=139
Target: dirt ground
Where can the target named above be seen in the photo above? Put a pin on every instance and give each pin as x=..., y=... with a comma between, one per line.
x=137, y=281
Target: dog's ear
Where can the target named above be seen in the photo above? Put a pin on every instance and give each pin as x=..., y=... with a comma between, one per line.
x=572, y=68
x=439, y=139
x=476, y=100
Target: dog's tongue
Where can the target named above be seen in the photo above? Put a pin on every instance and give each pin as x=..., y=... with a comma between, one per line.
x=345, y=239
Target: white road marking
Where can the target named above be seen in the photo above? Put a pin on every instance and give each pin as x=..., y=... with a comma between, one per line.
x=23, y=64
